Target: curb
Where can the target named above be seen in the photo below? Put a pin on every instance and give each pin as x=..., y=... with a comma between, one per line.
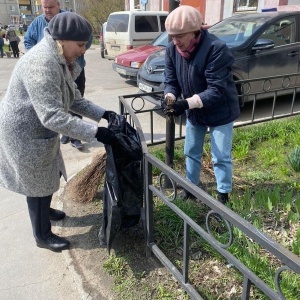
x=66, y=253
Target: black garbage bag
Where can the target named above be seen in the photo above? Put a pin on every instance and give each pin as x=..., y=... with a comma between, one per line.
x=123, y=188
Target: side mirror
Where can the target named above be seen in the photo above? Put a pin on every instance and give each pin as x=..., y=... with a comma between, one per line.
x=263, y=44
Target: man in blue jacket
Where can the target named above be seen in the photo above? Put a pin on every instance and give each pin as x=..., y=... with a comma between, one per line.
x=35, y=33
x=198, y=68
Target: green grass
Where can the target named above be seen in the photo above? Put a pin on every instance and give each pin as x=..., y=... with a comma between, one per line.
x=96, y=40
x=5, y=48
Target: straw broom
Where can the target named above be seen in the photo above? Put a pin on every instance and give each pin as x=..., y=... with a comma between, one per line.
x=84, y=185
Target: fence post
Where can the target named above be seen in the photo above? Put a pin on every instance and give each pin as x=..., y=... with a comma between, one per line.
x=170, y=124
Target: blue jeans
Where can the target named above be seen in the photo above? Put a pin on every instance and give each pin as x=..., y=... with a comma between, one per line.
x=221, y=144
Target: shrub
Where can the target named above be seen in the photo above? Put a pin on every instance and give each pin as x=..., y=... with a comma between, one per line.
x=294, y=159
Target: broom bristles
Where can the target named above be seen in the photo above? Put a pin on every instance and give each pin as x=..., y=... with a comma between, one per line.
x=84, y=185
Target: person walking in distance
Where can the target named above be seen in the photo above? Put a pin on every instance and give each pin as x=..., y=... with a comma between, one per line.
x=35, y=111
x=14, y=40
x=1, y=44
x=35, y=33
x=198, y=68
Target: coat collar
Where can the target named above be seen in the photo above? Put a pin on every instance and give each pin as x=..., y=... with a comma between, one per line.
x=76, y=69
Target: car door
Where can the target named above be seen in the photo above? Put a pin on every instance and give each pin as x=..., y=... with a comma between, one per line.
x=281, y=59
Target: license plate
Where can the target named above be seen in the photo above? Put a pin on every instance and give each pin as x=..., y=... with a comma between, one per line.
x=145, y=88
x=121, y=71
x=115, y=48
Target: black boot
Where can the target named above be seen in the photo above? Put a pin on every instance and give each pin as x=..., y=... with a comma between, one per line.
x=185, y=195
x=56, y=215
x=39, y=211
x=223, y=197
x=54, y=243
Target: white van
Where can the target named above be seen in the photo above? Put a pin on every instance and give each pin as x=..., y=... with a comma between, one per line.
x=128, y=29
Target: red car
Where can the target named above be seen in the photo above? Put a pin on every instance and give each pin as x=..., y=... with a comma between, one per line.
x=128, y=63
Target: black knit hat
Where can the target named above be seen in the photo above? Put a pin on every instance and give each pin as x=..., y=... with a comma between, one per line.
x=70, y=26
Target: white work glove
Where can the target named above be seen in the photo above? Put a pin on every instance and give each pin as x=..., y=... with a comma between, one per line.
x=194, y=102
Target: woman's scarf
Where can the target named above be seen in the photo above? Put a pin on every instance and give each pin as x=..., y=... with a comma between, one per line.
x=194, y=42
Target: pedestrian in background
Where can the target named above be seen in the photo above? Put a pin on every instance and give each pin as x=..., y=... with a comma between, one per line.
x=35, y=110
x=198, y=68
x=1, y=44
x=14, y=40
x=34, y=34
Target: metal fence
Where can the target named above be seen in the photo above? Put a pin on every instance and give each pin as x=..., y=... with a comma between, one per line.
x=216, y=212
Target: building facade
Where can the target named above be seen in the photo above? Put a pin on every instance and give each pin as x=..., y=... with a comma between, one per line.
x=24, y=11
x=9, y=11
x=215, y=10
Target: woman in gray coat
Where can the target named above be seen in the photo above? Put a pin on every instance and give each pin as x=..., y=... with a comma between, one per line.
x=34, y=112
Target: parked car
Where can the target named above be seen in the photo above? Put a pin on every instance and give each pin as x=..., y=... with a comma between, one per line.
x=126, y=30
x=263, y=44
x=102, y=40
x=128, y=63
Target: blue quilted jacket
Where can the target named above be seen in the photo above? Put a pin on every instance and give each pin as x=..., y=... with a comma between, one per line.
x=206, y=73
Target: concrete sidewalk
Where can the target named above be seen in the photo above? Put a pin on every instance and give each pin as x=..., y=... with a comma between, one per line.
x=29, y=272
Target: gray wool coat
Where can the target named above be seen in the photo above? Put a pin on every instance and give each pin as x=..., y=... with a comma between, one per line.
x=33, y=112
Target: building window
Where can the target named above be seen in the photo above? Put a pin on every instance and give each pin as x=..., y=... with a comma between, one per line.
x=245, y=5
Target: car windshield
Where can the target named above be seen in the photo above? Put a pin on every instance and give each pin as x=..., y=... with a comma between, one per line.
x=161, y=40
x=117, y=23
x=235, y=31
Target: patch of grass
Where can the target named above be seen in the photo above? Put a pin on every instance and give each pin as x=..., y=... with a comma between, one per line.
x=169, y=226
x=5, y=48
x=96, y=40
x=116, y=265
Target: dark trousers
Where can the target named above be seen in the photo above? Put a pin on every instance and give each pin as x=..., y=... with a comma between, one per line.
x=80, y=81
x=39, y=210
x=15, y=48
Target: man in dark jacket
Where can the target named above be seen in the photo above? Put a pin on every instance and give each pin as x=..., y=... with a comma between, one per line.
x=198, y=68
